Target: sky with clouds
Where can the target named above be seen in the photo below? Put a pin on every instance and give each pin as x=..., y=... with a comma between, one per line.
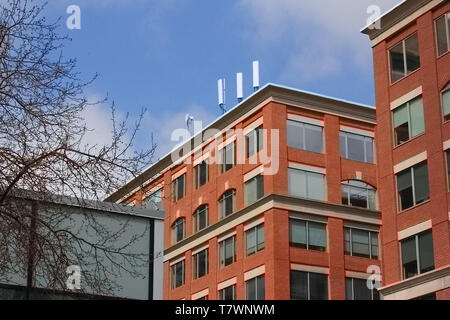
x=166, y=55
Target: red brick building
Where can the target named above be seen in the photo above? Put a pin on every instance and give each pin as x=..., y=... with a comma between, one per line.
x=412, y=75
x=303, y=225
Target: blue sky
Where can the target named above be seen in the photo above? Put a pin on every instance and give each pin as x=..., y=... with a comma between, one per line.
x=166, y=55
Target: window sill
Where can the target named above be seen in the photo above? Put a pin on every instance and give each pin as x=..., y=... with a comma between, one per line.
x=412, y=139
x=363, y=258
x=373, y=163
x=442, y=55
x=294, y=148
x=399, y=80
x=414, y=207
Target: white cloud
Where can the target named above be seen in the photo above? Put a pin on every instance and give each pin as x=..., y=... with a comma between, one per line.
x=322, y=33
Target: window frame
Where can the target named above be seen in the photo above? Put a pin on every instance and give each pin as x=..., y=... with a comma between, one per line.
x=258, y=142
x=418, y=256
x=221, y=203
x=351, y=295
x=447, y=166
x=154, y=204
x=259, y=246
x=173, y=274
x=222, y=251
x=196, y=264
x=367, y=188
x=304, y=126
x=447, y=33
x=197, y=174
x=223, y=158
x=174, y=231
x=293, y=244
x=413, y=183
x=308, y=191
x=175, y=182
x=370, y=232
x=262, y=276
x=308, y=283
x=258, y=177
x=405, y=66
x=446, y=89
x=221, y=293
x=345, y=134
x=408, y=108
x=195, y=217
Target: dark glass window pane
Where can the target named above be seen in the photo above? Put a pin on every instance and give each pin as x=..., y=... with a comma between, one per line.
x=345, y=194
x=347, y=240
x=358, y=197
x=355, y=147
x=251, y=289
x=401, y=133
x=317, y=236
x=374, y=244
x=318, y=286
x=295, y=134
x=397, y=62
x=369, y=150
x=313, y=138
x=201, y=264
x=178, y=274
x=421, y=182
x=227, y=293
x=409, y=257
x=343, y=144
x=298, y=233
x=299, y=285
x=260, y=237
x=412, y=53
x=448, y=166
x=251, y=241
x=261, y=288
x=441, y=35
x=348, y=289
x=431, y=296
x=361, y=291
x=229, y=251
x=405, y=190
x=360, y=243
x=251, y=143
x=260, y=186
x=426, y=252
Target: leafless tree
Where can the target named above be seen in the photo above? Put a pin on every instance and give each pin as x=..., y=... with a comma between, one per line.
x=43, y=153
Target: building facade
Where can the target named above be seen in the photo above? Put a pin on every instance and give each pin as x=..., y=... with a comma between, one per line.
x=279, y=201
x=412, y=74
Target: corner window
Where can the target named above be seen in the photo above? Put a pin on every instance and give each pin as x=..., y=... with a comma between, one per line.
x=308, y=286
x=254, y=141
x=361, y=243
x=178, y=230
x=356, y=147
x=254, y=239
x=256, y=288
x=201, y=218
x=179, y=188
x=227, y=157
x=417, y=254
x=408, y=121
x=228, y=293
x=154, y=200
x=445, y=100
x=227, y=203
x=201, y=174
x=307, y=234
x=200, y=267
x=404, y=58
x=359, y=194
x=358, y=289
x=254, y=189
x=442, y=25
x=306, y=184
x=227, y=251
x=304, y=136
x=177, y=274
x=412, y=186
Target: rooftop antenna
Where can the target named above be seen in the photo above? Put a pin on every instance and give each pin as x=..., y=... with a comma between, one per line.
x=255, y=75
x=239, y=87
x=189, y=119
x=221, y=92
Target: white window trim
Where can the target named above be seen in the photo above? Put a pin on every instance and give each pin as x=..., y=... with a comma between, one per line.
x=304, y=167
x=254, y=273
x=223, y=144
x=306, y=268
x=255, y=124
x=446, y=145
x=356, y=225
x=253, y=224
x=416, y=229
x=200, y=249
x=227, y=236
x=306, y=217
x=307, y=120
x=153, y=190
x=408, y=163
x=253, y=173
x=201, y=158
x=358, y=275
x=179, y=173
x=406, y=98
x=227, y=283
x=174, y=262
x=200, y=294
x=358, y=131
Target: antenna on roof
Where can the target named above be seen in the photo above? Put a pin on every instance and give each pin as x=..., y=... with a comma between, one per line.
x=255, y=75
x=239, y=87
x=189, y=119
x=221, y=94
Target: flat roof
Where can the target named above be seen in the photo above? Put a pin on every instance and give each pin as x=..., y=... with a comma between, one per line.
x=318, y=102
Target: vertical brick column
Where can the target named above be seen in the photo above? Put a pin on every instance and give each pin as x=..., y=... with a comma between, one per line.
x=333, y=159
x=336, y=252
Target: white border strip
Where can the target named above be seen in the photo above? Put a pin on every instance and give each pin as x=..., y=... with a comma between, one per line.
x=408, y=232
x=307, y=217
x=296, y=117
x=200, y=294
x=405, y=98
x=360, y=226
x=223, y=144
x=304, y=167
x=254, y=273
x=253, y=173
x=177, y=260
x=179, y=173
x=227, y=283
x=357, y=275
x=358, y=131
x=254, y=223
x=201, y=158
x=200, y=249
x=313, y=269
x=410, y=162
x=446, y=145
x=226, y=236
x=255, y=124
x=153, y=190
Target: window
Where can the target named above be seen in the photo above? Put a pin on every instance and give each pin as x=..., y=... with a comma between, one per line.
x=200, y=268
x=227, y=157
x=448, y=167
x=201, y=174
x=177, y=274
x=408, y=121
x=202, y=298
x=178, y=188
x=417, y=254
x=254, y=141
x=226, y=203
x=361, y=243
x=154, y=200
x=304, y=136
x=357, y=289
x=442, y=25
x=308, y=286
x=306, y=184
x=356, y=147
x=256, y=288
x=201, y=218
x=359, y=194
x=308, y=235
x=404, y=58
x=430, y=296
x=178, y=230
x=228, y=293
x=446, y=102
x=255, y=239
x=412, y=185
x=227, y=252
x=254, y=189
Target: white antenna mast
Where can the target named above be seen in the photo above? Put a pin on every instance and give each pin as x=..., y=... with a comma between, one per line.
x=239, y=87
x=221, y=94
x=189, y=119
x=255, y=75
